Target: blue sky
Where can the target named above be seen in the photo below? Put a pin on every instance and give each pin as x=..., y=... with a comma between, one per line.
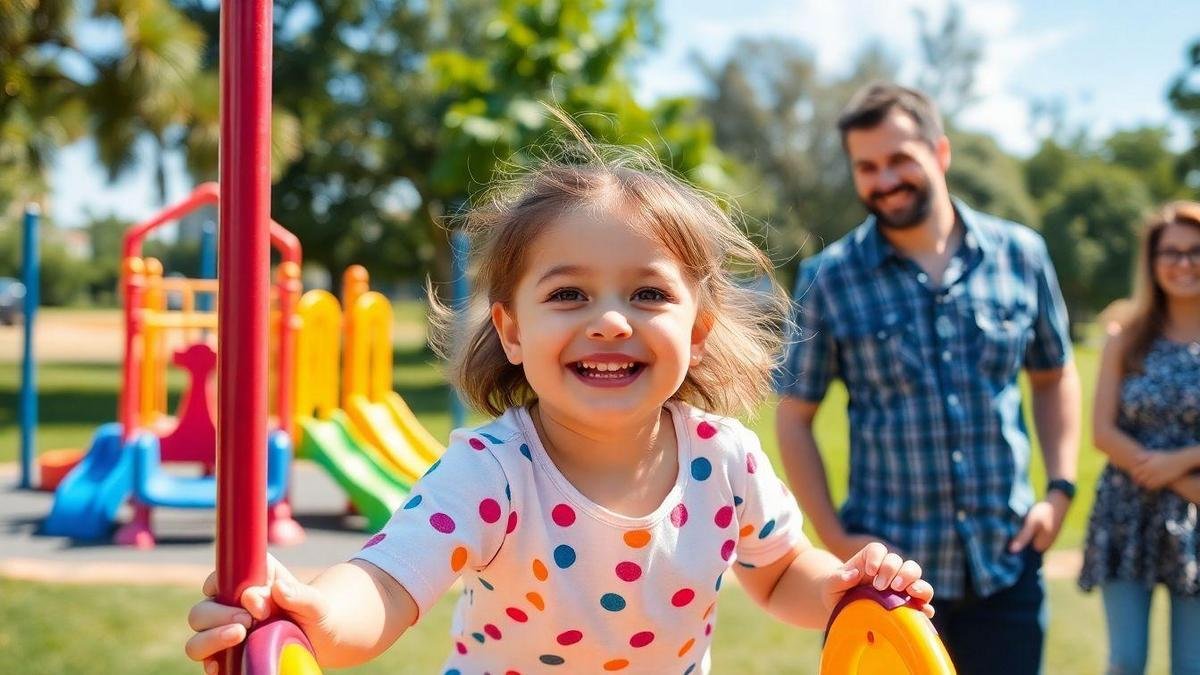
x=1110, y=61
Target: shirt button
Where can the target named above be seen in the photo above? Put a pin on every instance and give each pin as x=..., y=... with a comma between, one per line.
x=944, y=327
x=957, y=455
x=946, y=356
x=961, y=515
x=881, y=334
x=952, y=400
x=922, y=277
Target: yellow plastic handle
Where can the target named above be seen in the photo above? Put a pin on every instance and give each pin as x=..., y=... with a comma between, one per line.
x=877, y=633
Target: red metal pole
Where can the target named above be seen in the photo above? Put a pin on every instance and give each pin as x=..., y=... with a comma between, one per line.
x=243, y=301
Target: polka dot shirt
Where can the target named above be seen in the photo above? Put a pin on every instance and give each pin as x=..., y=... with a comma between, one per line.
x=553, y=582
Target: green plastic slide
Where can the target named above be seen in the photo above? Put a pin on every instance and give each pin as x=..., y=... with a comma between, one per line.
x=373, y=490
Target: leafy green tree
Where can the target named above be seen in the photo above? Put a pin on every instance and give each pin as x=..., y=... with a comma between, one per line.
x=1145, y=151
x=533, y=51
x=1184, y=96
x=1089, y=225
x=989, y=179
x=106, y=234
x=63, y=279
x=41, y=107
x=772, y=112
x=951, y=56
x=1047, y=168
x=143, y=87
x=56, y=90
x=403, y=109
x=1093, y=194
x=981, y=172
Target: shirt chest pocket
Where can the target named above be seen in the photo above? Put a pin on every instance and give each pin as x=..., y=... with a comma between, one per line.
x=1002, y=335
x=879, y=352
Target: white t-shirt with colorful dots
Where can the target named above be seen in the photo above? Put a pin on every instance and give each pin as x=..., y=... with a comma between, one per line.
x=553, y=582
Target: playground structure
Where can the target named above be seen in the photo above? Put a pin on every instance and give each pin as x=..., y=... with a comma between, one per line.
x=379, y=413
x=125, y=460
x=372, y=445
x=374, y=452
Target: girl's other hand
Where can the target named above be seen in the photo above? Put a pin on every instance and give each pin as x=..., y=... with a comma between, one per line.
x=874, y=566
x=219, y=627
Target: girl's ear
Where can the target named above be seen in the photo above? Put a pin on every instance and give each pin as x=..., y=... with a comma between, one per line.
x=508, y=332
x=700, y=330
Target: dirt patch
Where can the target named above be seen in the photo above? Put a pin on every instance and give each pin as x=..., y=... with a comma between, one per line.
x=97, y=336
x=71, y=336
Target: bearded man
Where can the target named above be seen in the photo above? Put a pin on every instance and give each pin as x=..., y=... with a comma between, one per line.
x=927, y=312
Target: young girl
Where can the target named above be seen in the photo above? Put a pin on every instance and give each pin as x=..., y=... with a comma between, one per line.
x=593, y=521
x=1146, y=418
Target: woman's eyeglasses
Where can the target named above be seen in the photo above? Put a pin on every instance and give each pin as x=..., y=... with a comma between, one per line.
x=1176, y=256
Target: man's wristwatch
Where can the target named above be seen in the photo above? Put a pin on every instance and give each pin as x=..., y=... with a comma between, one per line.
x=1062, y=485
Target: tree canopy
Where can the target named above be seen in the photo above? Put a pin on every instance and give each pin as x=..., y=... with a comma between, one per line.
x=391, y=116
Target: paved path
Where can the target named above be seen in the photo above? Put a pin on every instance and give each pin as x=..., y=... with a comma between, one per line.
x=185, y=551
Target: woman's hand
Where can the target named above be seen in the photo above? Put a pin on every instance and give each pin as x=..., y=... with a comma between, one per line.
x=874, y=566
x=1156, y=470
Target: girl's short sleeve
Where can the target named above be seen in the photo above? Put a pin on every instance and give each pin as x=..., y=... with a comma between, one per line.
x=767, y=514
x=456, y=517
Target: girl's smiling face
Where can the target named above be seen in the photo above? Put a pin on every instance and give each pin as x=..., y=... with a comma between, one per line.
x=603, y=320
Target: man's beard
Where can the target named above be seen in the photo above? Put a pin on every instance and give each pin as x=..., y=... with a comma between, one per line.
x=914, y=215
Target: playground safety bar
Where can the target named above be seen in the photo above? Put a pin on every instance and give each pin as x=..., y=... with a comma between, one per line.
x=205, y=194
x=179, y=320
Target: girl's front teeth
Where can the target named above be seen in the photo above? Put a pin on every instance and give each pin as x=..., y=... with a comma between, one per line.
x=606, y=367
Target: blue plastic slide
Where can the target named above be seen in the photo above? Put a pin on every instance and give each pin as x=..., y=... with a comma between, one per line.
x=155, y=487
x=86, y=502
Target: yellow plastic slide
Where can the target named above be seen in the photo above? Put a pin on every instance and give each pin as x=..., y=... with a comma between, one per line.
x=421, y=440
x=372, y=482
x=377, y=413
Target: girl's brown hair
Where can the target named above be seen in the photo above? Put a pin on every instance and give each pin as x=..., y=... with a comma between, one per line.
x=1145, y=314
x=747, y=323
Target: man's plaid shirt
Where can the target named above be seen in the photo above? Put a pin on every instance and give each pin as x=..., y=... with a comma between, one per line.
x=939, y=453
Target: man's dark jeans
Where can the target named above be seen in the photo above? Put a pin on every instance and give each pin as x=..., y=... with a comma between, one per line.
x=1002, y=633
